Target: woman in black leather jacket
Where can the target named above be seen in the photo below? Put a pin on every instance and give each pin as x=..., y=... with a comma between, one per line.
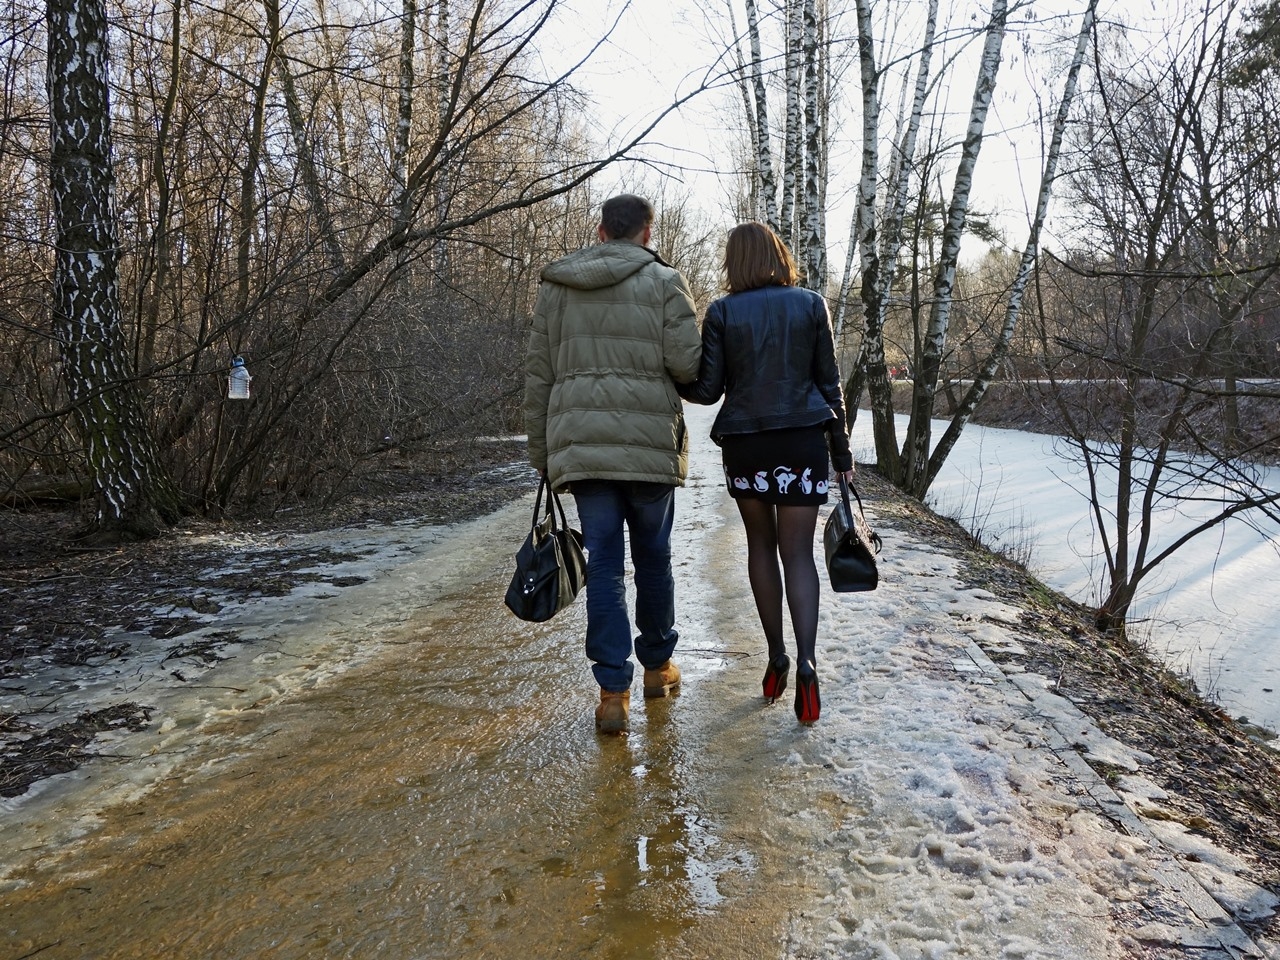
x=768, y=349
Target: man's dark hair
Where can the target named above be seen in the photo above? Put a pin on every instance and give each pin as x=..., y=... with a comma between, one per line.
x=625, y=215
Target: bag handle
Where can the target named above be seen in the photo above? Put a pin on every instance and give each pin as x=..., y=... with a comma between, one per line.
x=553, y=504
x=845, y=488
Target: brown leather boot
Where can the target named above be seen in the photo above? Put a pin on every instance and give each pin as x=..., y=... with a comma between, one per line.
x=612, y=713
x=662, y=680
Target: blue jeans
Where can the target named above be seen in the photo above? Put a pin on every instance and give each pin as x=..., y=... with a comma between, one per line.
x=646, y=509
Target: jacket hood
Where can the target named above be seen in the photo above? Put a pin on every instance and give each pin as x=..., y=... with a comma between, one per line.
x=602, y=265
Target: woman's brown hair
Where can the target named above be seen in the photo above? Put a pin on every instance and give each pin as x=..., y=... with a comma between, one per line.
x=755, y=257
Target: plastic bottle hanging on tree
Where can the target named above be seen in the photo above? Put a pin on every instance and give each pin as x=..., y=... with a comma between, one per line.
x=238, y=380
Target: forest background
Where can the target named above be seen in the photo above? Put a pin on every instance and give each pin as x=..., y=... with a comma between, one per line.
x=356, y=200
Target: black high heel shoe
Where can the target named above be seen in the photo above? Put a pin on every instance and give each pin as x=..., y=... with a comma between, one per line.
x=808, y=703
x=775, y=677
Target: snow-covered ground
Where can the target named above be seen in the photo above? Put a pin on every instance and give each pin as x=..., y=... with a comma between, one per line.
x=1204, y=612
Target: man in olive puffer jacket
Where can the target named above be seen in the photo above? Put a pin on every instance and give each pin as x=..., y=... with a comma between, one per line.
x=613, y=328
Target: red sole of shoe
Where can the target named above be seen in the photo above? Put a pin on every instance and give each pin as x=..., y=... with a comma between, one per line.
x=809, y=703
x=775, y=681
x=774, y=685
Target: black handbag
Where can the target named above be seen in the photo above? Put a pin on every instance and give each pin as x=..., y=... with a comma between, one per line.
x=551, y=566
x=851, y=546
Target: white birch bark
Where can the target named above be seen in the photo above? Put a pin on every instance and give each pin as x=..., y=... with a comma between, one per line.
x=814, y=241
x=306, y=159
x=825, y=94
x=158, y=257
x=444, y=108
x=916, y=452
x=402, y=202
x=768, y=185
x=880, y=263
x=754, y=205
x=133, y=491
x=840, y=314
x=869, y=370
x=901, y=176
x=792, y=146
x=248, y=210
x=1013, y=307
x=335, y=94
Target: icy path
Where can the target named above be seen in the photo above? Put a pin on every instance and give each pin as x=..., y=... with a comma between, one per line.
x=410, y=773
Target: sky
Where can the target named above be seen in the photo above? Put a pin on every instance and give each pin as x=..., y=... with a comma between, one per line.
x=663, y=49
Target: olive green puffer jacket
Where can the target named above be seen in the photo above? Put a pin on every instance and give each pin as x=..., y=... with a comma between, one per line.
x=612, y=327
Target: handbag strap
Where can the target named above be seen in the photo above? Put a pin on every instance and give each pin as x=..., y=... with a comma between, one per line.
x=555, y=498
x=845, y=488
x=844, y=492
x=553, y=505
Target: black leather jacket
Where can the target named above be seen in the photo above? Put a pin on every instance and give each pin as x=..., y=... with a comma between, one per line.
x=771, y=354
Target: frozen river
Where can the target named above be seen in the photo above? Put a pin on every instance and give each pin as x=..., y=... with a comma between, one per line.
x=1203, y=613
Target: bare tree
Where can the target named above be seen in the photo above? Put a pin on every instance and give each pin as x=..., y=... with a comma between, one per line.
x=915, y=458
x=986, y=370
x=792, y=139
x=768, y=187
x=879, y=247
x=351, y=197
x=405, y=75
x=1179, y=247
x=134, y=495
x=813, y=236
x=304, y=148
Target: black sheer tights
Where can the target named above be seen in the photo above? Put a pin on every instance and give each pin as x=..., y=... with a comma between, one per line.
x=783, y=533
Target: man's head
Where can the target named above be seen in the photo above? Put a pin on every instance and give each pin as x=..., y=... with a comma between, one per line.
x=626, y=217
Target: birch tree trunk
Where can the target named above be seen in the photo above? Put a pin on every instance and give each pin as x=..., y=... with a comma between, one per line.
x=916, y=448
x=306, y=158
x=889, y=237
x=754, y=205
x=401, y=142
x=335, y=94
x=158, y=256
x=134, y=495
x=871, y=354
x=826, y=93
x=444, y=107
x=768, y=184
x=813, y=239
x=840, y=313
x=249, y=175
x=792, y=145
x=1013, y=308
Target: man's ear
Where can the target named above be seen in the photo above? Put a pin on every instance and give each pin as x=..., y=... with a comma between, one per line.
x=648, y=232
x=604, y=237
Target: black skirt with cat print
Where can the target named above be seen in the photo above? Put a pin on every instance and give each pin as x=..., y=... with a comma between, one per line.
x=786, y=467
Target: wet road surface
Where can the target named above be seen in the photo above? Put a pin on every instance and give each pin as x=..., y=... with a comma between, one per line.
x=451, y=799
x=447, y=797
